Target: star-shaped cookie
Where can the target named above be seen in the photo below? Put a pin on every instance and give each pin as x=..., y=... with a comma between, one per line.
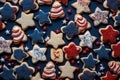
x=7, y=74
x=116, y=50
x=87, y=39
x=82, y=6
x=99, y=16
x=37, y=36
x=37, y=77
x=56, y=39
x=108, y=34
x=43, y=18
x=5, y=45
x=67, y=70
x=37, y=54
x=25, y=19
x=109, y=76
x=24, y=71
x=102, y=52
x=72, y=51
x=19, y=54
x=89, y=61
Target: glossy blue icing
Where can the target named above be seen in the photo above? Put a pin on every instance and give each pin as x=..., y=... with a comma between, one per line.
x=7, y=74
x=23, y=72
x=37, y=36
x=28, y=5
x=7, y=12
x=70, y=30
x=19, y=54
x=117, y=18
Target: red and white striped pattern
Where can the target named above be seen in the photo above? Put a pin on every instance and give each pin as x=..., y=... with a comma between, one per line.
x=49, y=71
x=56, y=11
x=18, y=35
x=114, y=66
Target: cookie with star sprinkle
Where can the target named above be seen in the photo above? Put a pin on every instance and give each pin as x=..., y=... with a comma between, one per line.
x=25, y=19
x=113, y=5
x=56, y=39
x=8, y=11
x=81, y=6
x=37, y=36
x=67, y=70
x=116, y=50
x=37, y=77
x=108, y=34
x=5, y=45
x=102, y=52
x=109, y=76
x=43, y=18
x=37, y=53
x=89, y=61
x=28, y=5
x=19, y=54
x=7, y=74
x=72, y=51
x=99, y=16
x=87, y=75
x=87, y=39
x=70, y=30
x=24, y=71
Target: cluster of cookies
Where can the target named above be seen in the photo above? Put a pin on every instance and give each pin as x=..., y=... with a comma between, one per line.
x=79, y=48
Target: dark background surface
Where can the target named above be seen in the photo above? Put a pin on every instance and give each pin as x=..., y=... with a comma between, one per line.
x=57, y=24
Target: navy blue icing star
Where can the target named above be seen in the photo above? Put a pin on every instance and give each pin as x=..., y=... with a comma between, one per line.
x=89, y=62
x=43, y=17
x=117, y=18
x=19, y=54
x=88, y=75
x=23, y=72
x=113, y=4
x=37, y=36
x=102, y=52
x=28, y=4
x=70, y=30
x=7, y=12
x=7, y=74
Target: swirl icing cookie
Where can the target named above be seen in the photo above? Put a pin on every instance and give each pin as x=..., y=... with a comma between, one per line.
x=49, y=71
x=81, y=23
x=18, y=35
x=28, y=5
x=8, y=11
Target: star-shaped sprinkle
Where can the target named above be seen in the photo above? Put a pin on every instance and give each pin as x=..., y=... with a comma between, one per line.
x=7, y=32
x=37, y=77
x=82, y=6
x=8, y=12
x=7, y=74
x=67, y=70
x=35, y=38
x=5, y=45
x=56, y=39
x=101, y=67
x=87, y=39
x=102, y=52
x=116, y=50
x=64, y=21
x=28, y=5
x=70, y=30
x=89, y=61
x=19, y=54
x=99, y=16
x=2, y=60
x=43, y=18
x=108, y=34
x=70, y=49
x=87, y=75
x=37, y=54
x=26, y=48
x=24, y=71
x=25, y=19
x=109, y=76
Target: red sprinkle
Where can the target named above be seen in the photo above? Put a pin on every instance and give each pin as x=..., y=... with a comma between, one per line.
x=97, y=43
x=87, y=49
x=77, y=69
x=114, y=13
x=38, y=68
x=44, y=28
x=84, y=52
x=69, y=11
x=72, y=61
x=67, y=18
x=57, y=31
x=12, y=63
x=6, y=57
